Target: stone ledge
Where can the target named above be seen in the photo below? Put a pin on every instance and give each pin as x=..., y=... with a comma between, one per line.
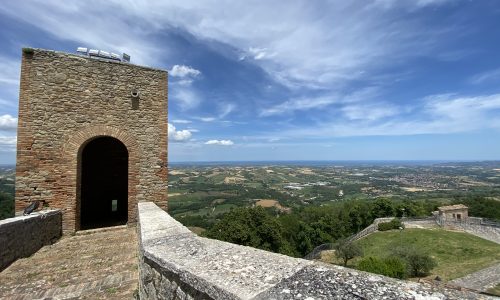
x=177, y=264
x=23, y=235
x=21, y=218
x=95, y=58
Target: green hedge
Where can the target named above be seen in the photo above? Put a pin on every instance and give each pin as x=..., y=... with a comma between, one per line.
x=393, y=224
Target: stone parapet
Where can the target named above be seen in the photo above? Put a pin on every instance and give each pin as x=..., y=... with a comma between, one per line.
x=174, y=263
x=24, y=235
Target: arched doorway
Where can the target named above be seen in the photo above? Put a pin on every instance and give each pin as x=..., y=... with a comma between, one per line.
x=103, y=183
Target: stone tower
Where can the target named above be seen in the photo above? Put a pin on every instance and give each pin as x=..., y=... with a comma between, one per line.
x=92, y=137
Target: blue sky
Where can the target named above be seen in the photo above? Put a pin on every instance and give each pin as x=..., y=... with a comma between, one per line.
x=290, y=80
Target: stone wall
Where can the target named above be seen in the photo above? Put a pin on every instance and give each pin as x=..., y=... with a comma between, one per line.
x=67, y=100
x=177, y=264
x=487, y=232
x=22, y=236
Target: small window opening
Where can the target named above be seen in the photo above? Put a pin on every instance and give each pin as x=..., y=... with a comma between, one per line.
x=114, y=205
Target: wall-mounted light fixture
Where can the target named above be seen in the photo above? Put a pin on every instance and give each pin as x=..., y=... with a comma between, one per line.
x=135, y=93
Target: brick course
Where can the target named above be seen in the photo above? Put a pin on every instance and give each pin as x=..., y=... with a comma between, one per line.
x=67, y=100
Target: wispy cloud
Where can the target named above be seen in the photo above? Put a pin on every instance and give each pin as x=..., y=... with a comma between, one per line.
x=180, y=121
x=225, y=109
x=438, y=114
x=93, y=24
x=331, y=42
x=8, y=143
x=371, y=112
x=220, y=142
x=301, y=104
x=488, y=76
x=414, y=4
x=184, y=98
x=9, y=71
x=206, y=119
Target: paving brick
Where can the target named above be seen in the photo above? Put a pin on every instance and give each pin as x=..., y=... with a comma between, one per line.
x=56, y=271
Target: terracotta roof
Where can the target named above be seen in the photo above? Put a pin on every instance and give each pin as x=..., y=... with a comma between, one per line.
x=453, y=207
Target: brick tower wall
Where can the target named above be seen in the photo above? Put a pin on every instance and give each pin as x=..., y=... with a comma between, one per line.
x=65, y=101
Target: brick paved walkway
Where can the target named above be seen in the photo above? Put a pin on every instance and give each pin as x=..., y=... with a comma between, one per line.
x=100, y=265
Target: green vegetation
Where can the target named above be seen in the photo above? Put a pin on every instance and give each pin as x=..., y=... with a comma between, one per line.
x=28, y=51
x=418, y=263
x=346, y=250
x=7, y=175
x=393, y=224
x=480, y=206
x=301, y=230
x=251, y=227
x=445, y=247
x=6, y=205
x=390, y=266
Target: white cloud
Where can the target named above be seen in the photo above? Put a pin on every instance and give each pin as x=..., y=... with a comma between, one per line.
x=220, y=142
x=309, y=44
x=8, y=143
x=439, y=114
x=180, y=121
x=207, y=119
x=259, y=53
x=184, y=97
x=92, y=24
x=178, y=135
x=8, y=122
x=183, y=71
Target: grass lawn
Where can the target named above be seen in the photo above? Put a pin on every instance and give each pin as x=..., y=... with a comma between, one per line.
x=457, y=253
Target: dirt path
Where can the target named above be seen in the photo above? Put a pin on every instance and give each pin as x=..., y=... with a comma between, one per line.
x=101, y=265
x=480, y=280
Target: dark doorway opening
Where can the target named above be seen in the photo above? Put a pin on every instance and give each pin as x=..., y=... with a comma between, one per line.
x=104, y=184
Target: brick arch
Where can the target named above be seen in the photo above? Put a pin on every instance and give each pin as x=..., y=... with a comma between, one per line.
x=71, y=154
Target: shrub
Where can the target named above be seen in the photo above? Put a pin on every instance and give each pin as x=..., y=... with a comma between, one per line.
x=347, y=250
x=391, y=266
x=28, y=51
x=419, y=264
x=393, y=224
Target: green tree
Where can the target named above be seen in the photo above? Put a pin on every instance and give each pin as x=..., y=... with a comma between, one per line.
x=418, y=263
x=383, y=207
x=253, y=227
x=347, y=250
x=6, y=206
